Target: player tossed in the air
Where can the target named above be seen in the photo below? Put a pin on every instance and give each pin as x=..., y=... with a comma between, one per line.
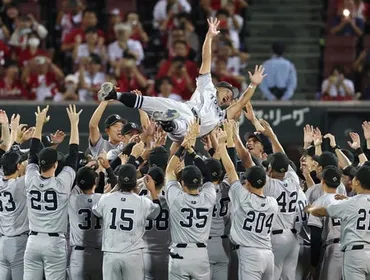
x=206, y=102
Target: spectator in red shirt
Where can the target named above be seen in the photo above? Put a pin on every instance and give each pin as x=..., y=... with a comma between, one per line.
x=180, y=49
x=222, y=74
x=183, y=82
x=128, y=75
x=138, y=33
x=89, y=19
x=10, y=85
x=32, y=51
x=115, y=17
x=4, y=52
x=43, y=81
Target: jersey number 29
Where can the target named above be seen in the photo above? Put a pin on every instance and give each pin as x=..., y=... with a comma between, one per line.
x=47, y=200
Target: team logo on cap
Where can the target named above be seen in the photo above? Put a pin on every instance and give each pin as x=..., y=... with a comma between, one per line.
x=195, y=180
x=43, y=161
x=214, y=173
x=117, y=117
x=89, y=200
x=282, y=170
x=82, y=182
x=259, y=181
x=335, y=179
x=126, y=179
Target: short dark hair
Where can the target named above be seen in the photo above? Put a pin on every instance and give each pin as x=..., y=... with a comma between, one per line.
x=222, y=12
x=88, y=10
x=91, y=29
x=363, y=176
x=160, y=81
x=46, y=168
x=337, y=67
x=278, y=48
x=95, y=59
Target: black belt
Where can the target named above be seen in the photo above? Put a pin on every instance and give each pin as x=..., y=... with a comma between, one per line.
x=53, y=234
x=80, y=248
x=354, y=247
x=184, y=245
x=222, y=237
x=18, y=235
x=280, y=231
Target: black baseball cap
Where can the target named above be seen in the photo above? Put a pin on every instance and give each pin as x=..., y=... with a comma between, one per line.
x=158, y=157
x=9, y=161
x=350, y=171
x=214, y=167
x=279, y=162
x=191, y=176
x=112, y=119
x=332, y=176
x=48, y=156
x=127, y=175
x=130, y=127
x=157, y=175
x=229, y=86
x=326, y=159
x=86, y=178
x=363, y=176
x=256, y=176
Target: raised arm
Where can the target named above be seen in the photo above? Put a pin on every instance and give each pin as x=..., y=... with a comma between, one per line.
x=74, y=140
x=5, y=134
x=226, y=161
x=94, y=132
x=213, y=24
x=268, y=132
x=255, y=79
x=343, y=160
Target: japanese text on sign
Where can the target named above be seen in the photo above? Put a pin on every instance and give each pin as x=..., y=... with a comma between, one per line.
x=277, y=116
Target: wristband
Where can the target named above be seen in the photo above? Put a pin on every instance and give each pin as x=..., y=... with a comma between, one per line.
x=252, y=86
x=359, y=151
x=180, y=151
x=140, y=160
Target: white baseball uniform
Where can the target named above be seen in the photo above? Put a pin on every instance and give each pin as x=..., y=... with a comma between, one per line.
x=354, y=214
x=252, y=218
x=314, y=192
x=303, y=234
x=203, y=101
x=218, y=243
x=46, y=250
x=332, y=258
x=13, y=227
x=86, y=259
x=157, y=240
x=190, y=220
x=284, y=241
x=124, y=215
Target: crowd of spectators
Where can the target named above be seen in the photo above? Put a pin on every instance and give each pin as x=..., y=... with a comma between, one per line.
x=116, y=53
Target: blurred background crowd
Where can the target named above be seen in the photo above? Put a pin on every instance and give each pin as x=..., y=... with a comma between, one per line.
x=59, y=50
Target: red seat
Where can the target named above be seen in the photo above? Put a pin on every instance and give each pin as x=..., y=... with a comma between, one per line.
x=124, y=5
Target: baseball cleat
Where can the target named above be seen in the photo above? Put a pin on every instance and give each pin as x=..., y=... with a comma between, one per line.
x=107, y=92
x=166, y=116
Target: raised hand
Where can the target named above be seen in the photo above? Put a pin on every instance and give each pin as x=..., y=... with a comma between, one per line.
x=258, y=75
x=331, y=138
x=3, y=117
x=308, y=132
x=229, y=127
x=73, y=116
x=267, y=128
x=222, y=136
x=103, y=160
x=124, y=158
x=57, y=137
x=249, y=114
x=207, y=143
x=138, y=149
x=366, y=129
x=149, y=183
x=14, y=122
x=317, y=137
x=356, y=142
x=42, y=115
x=213, y=24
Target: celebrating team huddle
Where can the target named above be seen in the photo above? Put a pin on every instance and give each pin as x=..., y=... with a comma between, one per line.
x=135, y=210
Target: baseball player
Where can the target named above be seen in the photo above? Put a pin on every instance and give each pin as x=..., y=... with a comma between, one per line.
x=13, y=217
x=252, y=218
x=157, y=235
x=85, y=228
x=123, y=216
x=47, y=197
x=354, y=214
x=303, y=234
x=314, y=192
x=190, y=219
x=218, y=242
x=206, y=102
x=325, y=232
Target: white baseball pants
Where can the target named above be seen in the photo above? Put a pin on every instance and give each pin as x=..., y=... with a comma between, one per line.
x=219, y=252
x=155, y=265
x=255, y=264
x=332, y=263
x=356, y=264
x=86, y=264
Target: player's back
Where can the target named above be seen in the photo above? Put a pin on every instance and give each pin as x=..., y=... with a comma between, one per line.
x=85, y=227
x=315, y=191
x=221, y=211
x=355, y=219
x=286, y=194
x=124, y=216
x=157, y=232
x=252, y=217
x=13, y=207
x=301, y=219
x=190, y=215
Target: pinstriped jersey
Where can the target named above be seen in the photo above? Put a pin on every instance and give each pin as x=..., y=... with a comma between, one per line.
x=13, y=207
x=48, y=199
x=286, y=194
x=330, y=226
x=354, y=214
x=314, y=192
x=252, y=217
x=190, y=215
x=302, y=218
x=85, y=227
x=221, y=211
